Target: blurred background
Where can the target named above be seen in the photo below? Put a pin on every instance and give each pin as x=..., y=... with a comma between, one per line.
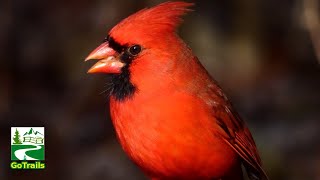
x=262, y=52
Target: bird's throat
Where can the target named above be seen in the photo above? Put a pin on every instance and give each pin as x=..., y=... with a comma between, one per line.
x=120, y=87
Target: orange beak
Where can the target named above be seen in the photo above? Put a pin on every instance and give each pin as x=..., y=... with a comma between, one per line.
x=108, y=62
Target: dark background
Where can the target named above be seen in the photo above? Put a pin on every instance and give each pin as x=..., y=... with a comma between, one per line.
x=259, y=51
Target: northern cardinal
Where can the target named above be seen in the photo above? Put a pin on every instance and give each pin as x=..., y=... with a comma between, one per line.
x=171, y=117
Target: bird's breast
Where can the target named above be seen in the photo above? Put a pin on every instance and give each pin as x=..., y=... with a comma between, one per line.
x=171, y=135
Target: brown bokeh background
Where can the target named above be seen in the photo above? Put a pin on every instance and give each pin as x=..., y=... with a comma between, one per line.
x=259, y=51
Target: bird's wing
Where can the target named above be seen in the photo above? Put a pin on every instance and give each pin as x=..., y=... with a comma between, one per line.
x=234, y=131
x=238, y=136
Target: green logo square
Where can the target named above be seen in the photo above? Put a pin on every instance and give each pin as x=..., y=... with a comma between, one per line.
x=27, y=143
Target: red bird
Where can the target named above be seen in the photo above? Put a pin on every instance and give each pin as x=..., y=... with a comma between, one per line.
x=170, y=116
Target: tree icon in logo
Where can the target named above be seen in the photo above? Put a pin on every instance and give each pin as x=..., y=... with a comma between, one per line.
x=16, y=137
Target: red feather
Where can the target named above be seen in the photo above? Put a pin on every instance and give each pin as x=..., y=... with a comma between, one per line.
x=160, y=20
x=171, y=117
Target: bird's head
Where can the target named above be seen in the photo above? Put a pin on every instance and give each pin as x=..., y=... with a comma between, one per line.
x=143, y=44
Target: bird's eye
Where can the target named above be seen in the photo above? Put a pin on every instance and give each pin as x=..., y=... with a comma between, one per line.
x=134, y=50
